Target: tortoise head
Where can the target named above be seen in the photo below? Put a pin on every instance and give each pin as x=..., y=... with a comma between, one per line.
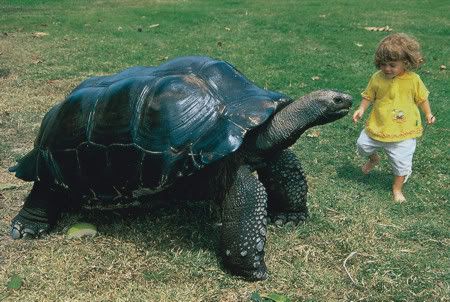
x=287, y=125
x=327, y=105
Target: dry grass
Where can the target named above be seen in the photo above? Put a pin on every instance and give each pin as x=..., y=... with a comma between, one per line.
x=356, y=246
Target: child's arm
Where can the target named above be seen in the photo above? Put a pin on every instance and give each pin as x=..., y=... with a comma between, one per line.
x=425, y=106
x=362, y=108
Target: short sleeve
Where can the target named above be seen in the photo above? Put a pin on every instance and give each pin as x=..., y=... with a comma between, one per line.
x=421, y=93
x=369, y=92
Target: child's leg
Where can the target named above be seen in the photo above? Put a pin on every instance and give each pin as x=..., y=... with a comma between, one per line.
x=367, y=147
x=374, y=159
x=397, y=188
x=400, y=155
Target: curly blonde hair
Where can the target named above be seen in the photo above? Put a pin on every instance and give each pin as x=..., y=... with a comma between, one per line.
x=399, y=47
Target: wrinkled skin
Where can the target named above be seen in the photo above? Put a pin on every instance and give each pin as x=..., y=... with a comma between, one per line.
x=198, y=130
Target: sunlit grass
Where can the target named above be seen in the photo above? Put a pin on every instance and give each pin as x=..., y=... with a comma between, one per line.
x=399, y=252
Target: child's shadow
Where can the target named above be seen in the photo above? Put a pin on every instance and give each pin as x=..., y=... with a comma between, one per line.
x=375, y=180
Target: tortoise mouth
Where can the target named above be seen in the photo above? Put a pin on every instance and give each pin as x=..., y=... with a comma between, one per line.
x=343, y=107
x=342, y=112
x=339, y=114
x=333, y=116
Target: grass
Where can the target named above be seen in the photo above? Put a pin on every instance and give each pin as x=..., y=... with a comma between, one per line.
x=392, y=252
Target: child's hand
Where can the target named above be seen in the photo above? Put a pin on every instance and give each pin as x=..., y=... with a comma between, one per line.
x=431, y=119
x=357, y=115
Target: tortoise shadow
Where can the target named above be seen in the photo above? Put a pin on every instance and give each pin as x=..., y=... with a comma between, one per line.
x=181, y=225
x=377, y=179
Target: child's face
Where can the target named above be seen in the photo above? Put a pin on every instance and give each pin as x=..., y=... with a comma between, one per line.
x=391, y=69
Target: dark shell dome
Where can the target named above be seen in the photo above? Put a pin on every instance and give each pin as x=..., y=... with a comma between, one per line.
x=145, y=126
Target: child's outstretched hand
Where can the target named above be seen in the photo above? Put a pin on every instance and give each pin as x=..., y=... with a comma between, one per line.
x=357, y=115
x=431, y=119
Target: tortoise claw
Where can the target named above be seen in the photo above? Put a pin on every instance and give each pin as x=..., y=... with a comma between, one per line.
x=284, y=218
x=260, y=275
x=15, y=232
x=28, y=234
x=32, y=231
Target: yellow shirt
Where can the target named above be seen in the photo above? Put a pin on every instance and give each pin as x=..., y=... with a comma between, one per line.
x=395, y=115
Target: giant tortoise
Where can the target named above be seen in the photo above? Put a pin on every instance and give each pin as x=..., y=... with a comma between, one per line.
x=191, y=128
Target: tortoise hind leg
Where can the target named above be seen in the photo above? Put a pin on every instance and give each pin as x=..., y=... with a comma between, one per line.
x=244, y=226
x=286, y=186
x=38, y=213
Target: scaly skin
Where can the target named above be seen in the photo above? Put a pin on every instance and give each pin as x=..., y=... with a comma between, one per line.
x=38, y=214
x=244, y=226
x=286, y=185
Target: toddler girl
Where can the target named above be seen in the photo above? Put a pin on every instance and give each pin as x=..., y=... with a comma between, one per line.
x=395, y=93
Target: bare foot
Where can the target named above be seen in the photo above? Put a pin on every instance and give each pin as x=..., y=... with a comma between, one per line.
x=374, y=159
x=398, y=196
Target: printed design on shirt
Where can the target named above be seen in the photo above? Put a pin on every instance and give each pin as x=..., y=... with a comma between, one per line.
x=398, y=116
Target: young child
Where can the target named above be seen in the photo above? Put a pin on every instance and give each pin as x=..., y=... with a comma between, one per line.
x=395, y=93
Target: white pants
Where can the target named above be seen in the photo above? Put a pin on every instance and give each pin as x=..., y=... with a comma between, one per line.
x=400, y=154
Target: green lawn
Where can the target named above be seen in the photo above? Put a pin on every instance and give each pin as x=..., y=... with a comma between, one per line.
x=357, y=245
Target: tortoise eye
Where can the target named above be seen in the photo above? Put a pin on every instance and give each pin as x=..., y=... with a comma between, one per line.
x=338, y=100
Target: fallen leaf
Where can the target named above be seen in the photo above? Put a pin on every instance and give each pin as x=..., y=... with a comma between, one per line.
x=15, y=282
x=276, y=297
x=375, y=28
x=81, y=229
x=39, y=34
x=313, y=133
x=255, y=297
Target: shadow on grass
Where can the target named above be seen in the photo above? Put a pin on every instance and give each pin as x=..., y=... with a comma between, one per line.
x=188, y=225
x=178, y=220
x=375, y=180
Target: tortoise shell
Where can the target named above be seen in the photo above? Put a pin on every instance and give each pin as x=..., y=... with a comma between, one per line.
x=147, y=126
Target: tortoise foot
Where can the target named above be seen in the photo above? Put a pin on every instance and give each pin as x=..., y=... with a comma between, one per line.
x=259, y=274
x=22, y=228
x=256, y=273
x=283, y=218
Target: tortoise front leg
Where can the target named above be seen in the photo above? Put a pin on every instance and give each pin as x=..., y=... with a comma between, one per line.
x=244, y=225
x=38, y=213
x=286, y=187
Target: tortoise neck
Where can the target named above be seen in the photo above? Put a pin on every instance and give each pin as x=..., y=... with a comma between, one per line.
x=286, y=126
